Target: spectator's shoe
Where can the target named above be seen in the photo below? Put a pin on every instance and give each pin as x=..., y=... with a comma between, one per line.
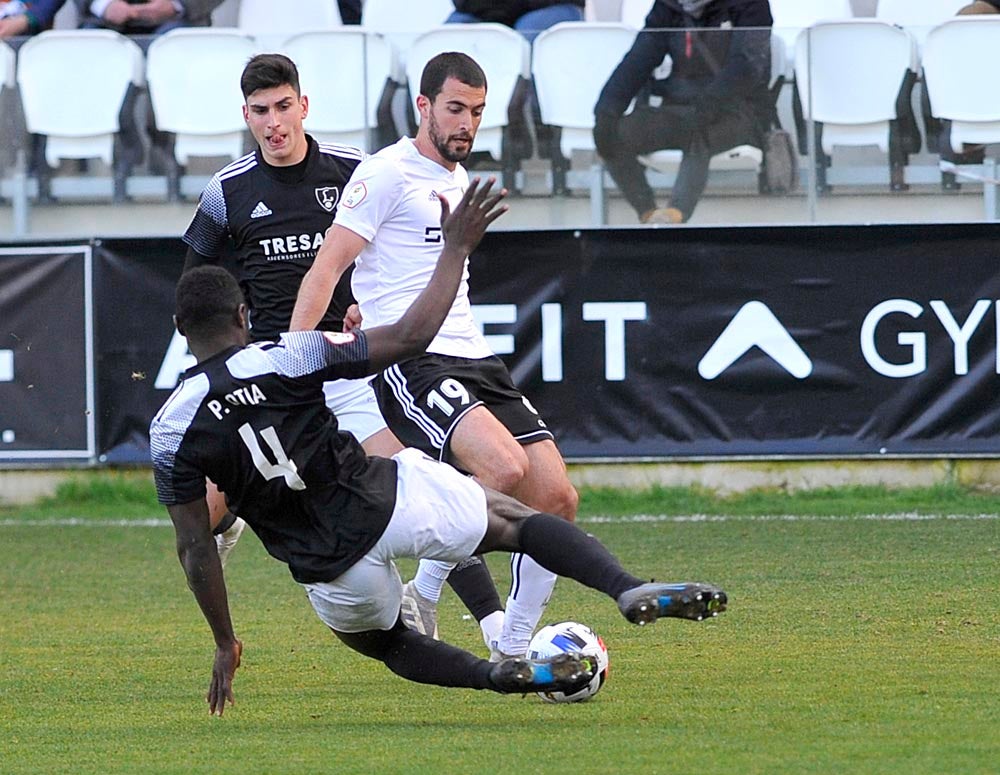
x=418, y=612
x=562, y=673
x=662, y=215
x=225, y=541
x=648, y=602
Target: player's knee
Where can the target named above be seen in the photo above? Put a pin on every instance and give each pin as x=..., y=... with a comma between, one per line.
x=563, y=501
x=507, y=474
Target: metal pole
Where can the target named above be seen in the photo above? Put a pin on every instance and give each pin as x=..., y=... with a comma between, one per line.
x=19, y=195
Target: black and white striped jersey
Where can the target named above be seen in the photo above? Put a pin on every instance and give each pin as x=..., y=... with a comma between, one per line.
x=254, y=421
x=276, y=218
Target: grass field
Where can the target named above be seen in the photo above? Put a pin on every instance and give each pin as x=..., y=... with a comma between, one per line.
x=854, y=643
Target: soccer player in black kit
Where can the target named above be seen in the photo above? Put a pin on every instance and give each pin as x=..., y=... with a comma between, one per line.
x=253, y=419
x=274, y=206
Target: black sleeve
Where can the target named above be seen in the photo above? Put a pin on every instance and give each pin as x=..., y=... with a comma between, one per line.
x=633, y=71
x=209, y=229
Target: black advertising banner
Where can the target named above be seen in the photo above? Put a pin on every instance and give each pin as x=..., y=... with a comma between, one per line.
x=140, y=355
x=761, y=341
x=46, y=354
x=632, y=343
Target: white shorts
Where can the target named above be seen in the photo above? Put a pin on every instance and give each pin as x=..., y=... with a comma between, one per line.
x=440, y=514
x=354, y=403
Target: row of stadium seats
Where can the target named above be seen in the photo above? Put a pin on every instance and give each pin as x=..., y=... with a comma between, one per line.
x=860, y=98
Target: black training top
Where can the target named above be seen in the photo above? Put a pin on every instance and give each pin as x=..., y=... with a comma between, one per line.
x=254, y=421
x=277, y=218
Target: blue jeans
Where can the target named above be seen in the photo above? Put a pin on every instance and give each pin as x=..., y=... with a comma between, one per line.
x=531, y=23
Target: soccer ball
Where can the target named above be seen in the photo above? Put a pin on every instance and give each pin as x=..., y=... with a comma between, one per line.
x=571, y=637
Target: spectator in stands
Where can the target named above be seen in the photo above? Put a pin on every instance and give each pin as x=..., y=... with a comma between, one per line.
x=980, y=6
x=20, y=17
x=350, y=11
x=715, y=97
x=529, y=17
x=145, y=17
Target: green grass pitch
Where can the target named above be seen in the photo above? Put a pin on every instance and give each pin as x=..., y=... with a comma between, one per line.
x=852, y=645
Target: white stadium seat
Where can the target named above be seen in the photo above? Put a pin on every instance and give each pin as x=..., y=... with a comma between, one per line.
x=271, y=22
x=343, y=110
x=183, y=64
x=402, y=22
x=570, y=63
x=504, y=56
x=855, y=97
x=958, y=64
x=793, y=16
x=77, y=112
x=634, y=12
x=918, y=16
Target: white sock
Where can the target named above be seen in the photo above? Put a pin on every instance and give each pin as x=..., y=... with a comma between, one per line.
x=531, y=589
x=492, y=627
x=430, y=578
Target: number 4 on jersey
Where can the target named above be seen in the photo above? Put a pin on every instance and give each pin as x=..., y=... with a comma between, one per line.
x=283, y=467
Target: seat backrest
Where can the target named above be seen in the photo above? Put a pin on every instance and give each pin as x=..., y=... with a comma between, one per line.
x=403, y=22
x=347, y=104
x=856, y=89
x=200, y=65
x=634, y=12
x=503, y=54
x=570, y=64
x=918, y=16
x=59, y=91
x=959, y=66
x=268, y=18
x=8, y=66
x=792, y=16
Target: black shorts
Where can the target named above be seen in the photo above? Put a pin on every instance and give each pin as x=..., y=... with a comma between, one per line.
x=423, y=399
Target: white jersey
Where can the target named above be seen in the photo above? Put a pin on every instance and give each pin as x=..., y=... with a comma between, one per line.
x=392, y=202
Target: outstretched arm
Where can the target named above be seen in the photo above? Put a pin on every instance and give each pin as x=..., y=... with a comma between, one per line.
x=462, y=230
x=339, y=249
x=200, y=560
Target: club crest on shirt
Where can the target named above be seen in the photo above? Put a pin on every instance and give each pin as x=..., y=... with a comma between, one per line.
x=328, y=197
x=356, y=195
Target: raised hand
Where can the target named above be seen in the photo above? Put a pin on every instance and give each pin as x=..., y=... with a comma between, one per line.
x=477, y=209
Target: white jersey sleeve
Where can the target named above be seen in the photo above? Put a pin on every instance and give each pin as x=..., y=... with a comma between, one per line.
x=372, y=195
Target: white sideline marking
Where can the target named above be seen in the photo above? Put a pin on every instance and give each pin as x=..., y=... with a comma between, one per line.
x=903, y=517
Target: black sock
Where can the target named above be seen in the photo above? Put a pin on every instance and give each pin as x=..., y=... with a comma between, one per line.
x=474, y=586
x=227, y=521
x=419, y=658
x=563, y=548
x=422, y=659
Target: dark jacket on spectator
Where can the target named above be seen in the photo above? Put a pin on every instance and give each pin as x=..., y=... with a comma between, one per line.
x=41, y=13
x=507, y=12
x=711, y=70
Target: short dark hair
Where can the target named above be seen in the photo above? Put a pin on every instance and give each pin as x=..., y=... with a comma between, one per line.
x=267, y=71
x=451, y=64
x=206, y=300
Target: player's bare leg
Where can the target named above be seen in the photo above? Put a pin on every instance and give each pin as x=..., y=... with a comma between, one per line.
x=534, y=474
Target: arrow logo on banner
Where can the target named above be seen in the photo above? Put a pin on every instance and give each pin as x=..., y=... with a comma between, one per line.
x=755, y=326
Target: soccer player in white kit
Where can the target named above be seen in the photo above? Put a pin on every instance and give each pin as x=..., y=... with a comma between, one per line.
x=457, y=401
